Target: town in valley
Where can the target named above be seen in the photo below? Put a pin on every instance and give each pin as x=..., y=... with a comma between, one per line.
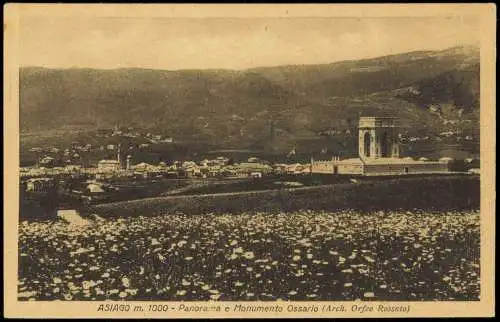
x=72, y=176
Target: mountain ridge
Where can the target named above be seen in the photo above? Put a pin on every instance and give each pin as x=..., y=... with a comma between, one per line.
x=236, y=108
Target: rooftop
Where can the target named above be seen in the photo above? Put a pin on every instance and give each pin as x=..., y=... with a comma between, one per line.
x=109, y=161
x=378, y=121
x=39, y=179
x=378, y=118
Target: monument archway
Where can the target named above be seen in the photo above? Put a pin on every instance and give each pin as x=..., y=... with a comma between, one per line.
x=384, y=145
x=367, y=144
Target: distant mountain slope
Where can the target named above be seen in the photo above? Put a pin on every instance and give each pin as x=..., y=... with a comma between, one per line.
x=272, y=107
x=360, y=77
x=459, y=87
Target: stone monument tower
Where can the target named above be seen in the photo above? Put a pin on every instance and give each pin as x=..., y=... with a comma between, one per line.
x=378, y=137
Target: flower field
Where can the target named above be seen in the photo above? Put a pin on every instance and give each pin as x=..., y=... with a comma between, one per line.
x=344, y=255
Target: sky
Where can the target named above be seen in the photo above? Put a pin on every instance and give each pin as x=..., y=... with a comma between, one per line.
x=229, y=43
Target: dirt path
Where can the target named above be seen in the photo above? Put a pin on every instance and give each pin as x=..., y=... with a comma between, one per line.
x=197, y=185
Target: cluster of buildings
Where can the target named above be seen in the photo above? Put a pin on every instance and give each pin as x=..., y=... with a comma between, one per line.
x=218, y=167
x=455, y=135
x=54, y=157
x=378, y=154
x=133, y=133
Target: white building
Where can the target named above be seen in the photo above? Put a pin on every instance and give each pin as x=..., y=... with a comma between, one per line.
x=39, y=184
x=108, y=165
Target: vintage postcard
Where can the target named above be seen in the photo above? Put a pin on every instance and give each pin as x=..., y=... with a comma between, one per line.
x=242, y=161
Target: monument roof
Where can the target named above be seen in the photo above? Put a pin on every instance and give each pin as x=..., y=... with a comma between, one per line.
x=378, y=121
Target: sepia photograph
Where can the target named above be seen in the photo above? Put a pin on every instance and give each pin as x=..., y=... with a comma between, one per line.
x=191, y=162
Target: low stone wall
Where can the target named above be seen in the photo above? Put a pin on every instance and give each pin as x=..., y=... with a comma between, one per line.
x=405, y=168
x=333, y=167
x=322, y=167
x=379, y=168
x=347, y=168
